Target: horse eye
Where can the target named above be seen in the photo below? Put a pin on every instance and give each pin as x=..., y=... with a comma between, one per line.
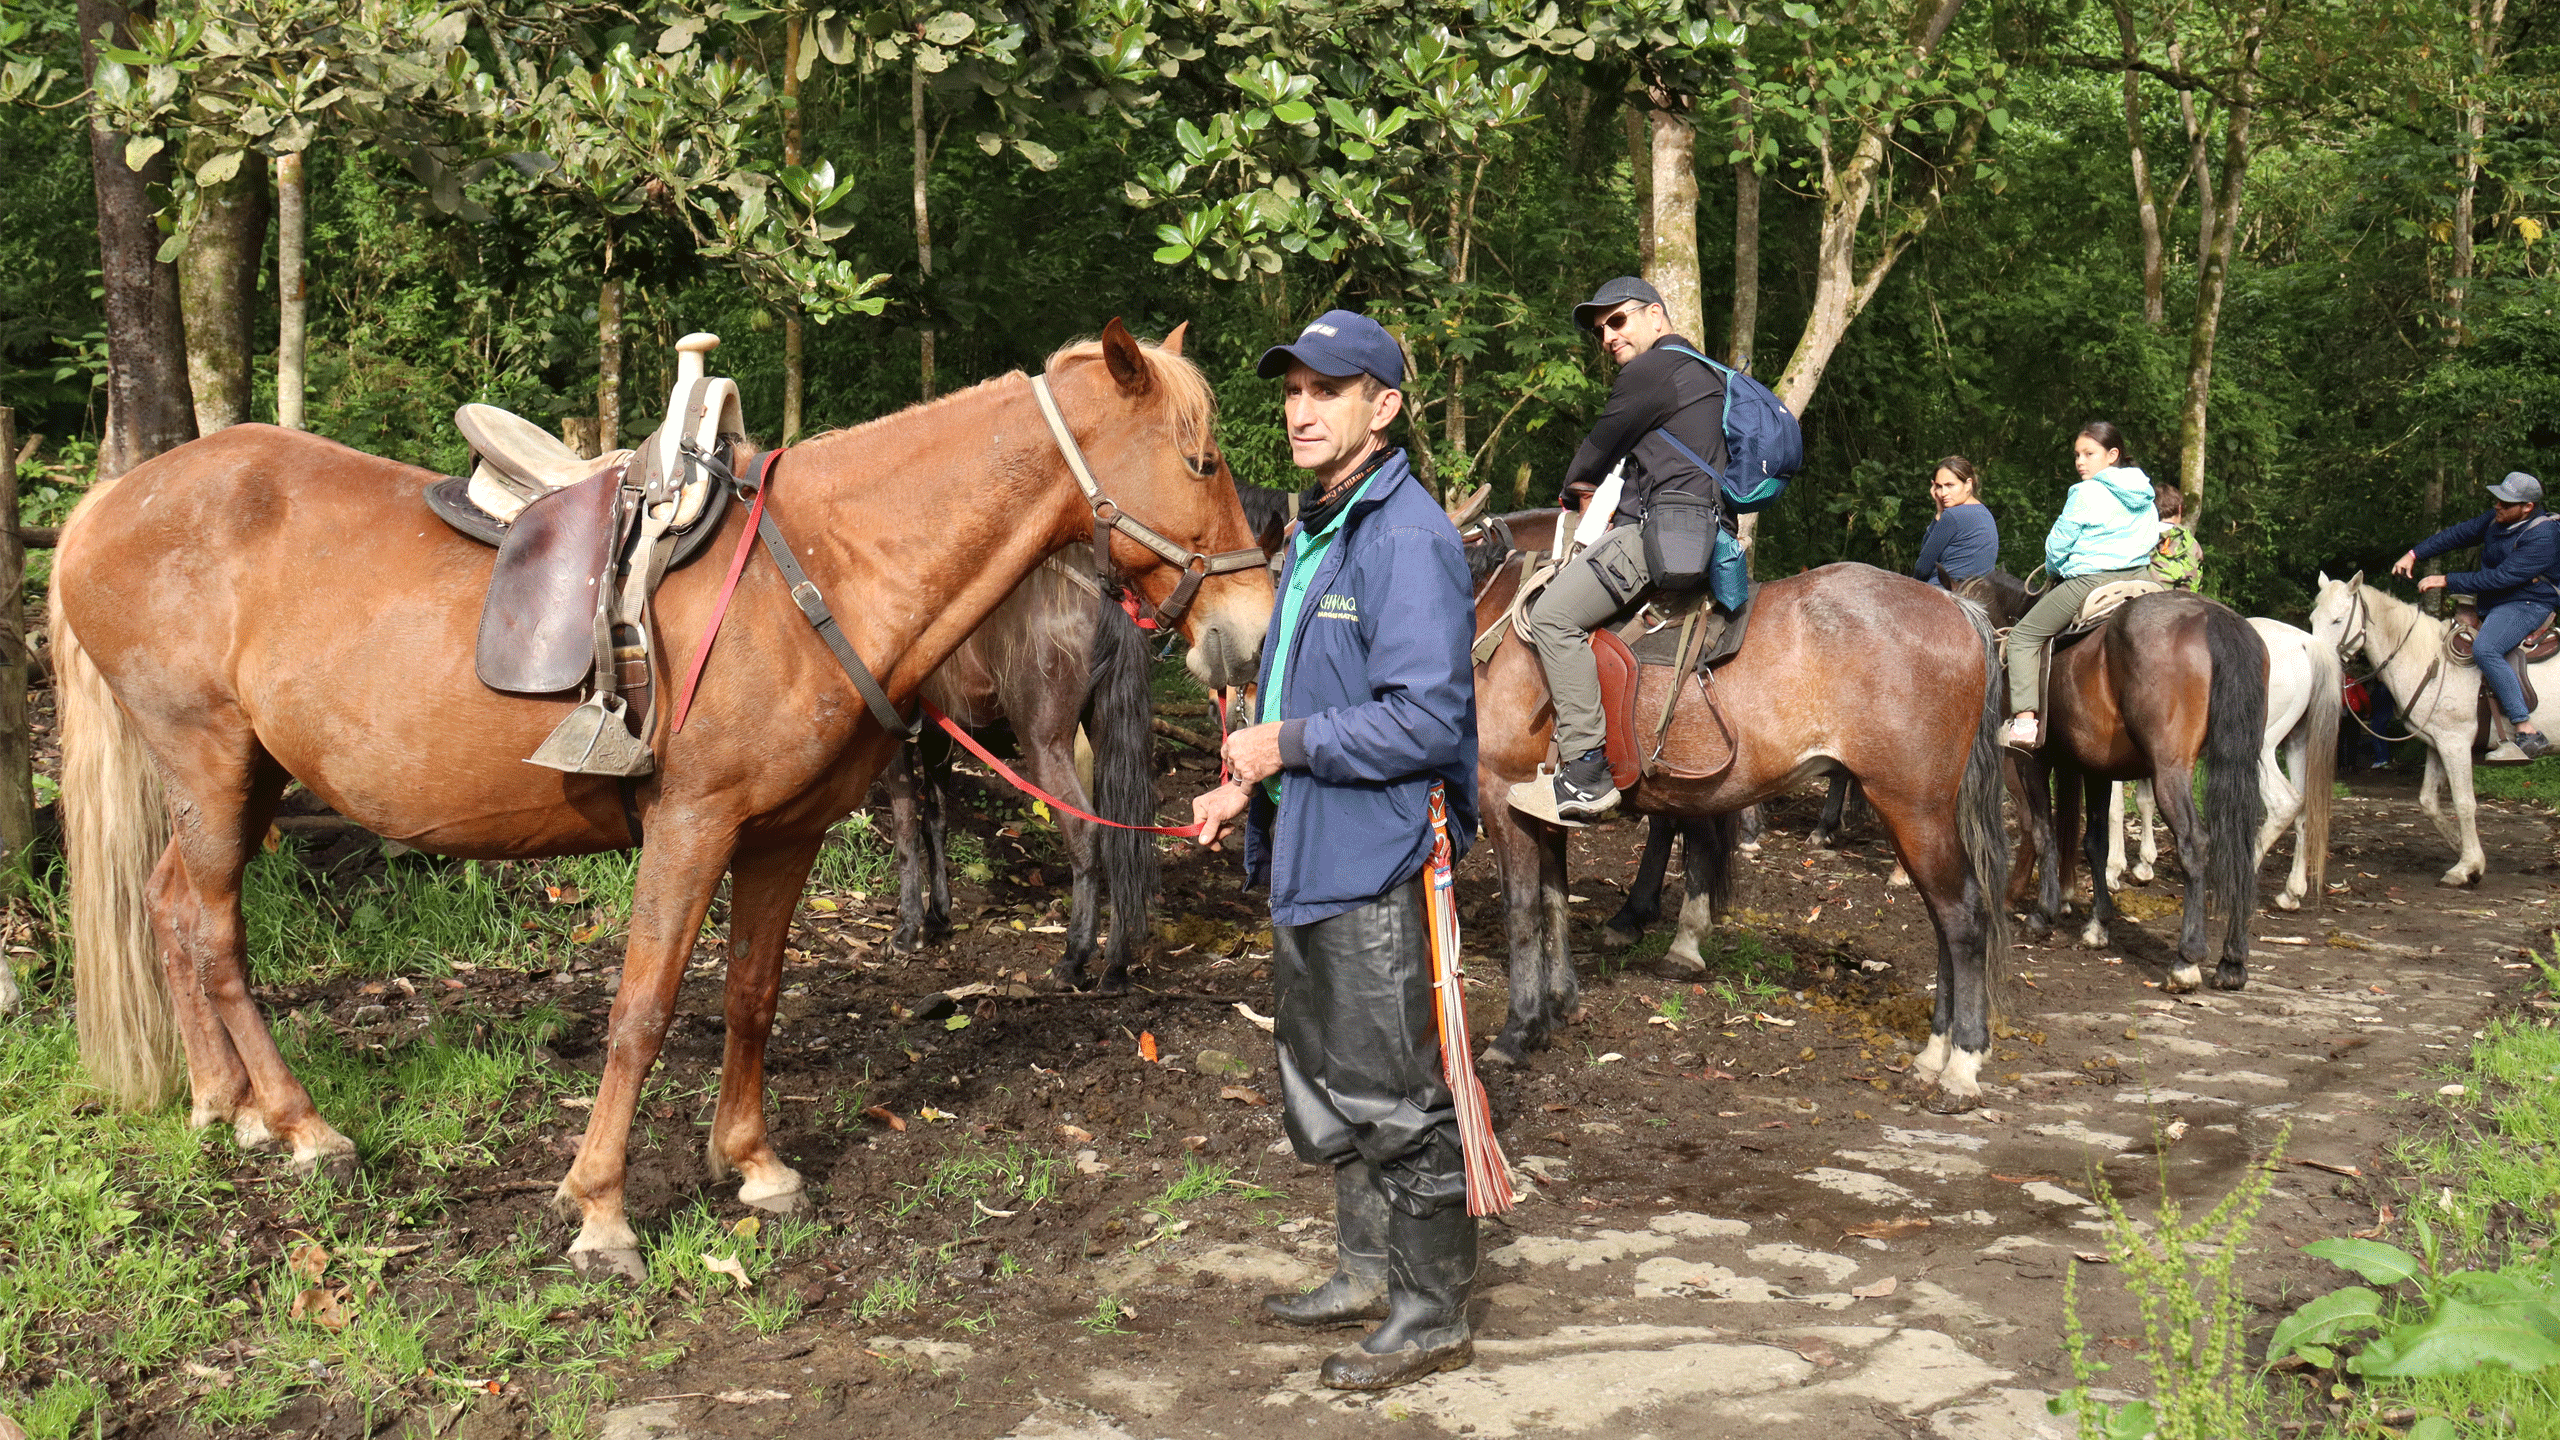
x=1203, y=464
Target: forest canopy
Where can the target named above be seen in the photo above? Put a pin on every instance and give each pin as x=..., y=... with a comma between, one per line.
x=2298, y=250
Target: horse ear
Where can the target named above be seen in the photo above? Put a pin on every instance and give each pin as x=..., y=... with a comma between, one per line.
x=2355, y=581
x=1173, y=342
x=2324, y=581
x=1127, y=363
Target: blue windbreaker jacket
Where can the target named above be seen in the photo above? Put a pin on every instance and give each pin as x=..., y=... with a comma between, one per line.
x=1378, y=701
x=2516, y=560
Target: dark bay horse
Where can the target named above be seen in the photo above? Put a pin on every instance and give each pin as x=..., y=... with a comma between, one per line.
x=2168, y=680
x=1057, y=659
x=1845, y=666
x=263, y=605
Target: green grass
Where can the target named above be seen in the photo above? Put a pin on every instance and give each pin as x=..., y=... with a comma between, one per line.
x=2537, y=780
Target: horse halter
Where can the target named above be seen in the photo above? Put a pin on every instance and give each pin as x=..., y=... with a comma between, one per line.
x=1196, y=565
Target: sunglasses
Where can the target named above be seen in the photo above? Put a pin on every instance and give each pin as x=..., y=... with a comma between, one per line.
x=1617, y=319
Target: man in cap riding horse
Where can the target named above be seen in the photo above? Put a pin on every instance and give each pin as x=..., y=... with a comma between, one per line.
x=1367, y=704
x=2519, y=548
x=1665, y=420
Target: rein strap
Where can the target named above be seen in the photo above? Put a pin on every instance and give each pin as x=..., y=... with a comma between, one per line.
x=970, y=744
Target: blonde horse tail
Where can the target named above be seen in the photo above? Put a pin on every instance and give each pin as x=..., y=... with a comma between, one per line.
x=115, y=824
x=2320, y=766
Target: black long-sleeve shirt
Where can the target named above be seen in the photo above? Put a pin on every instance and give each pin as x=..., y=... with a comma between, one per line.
x=1657, y=390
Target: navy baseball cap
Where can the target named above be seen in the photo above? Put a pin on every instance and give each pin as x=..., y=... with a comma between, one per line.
x=1610, y=296
x=1340, y=343
x=2517, y=488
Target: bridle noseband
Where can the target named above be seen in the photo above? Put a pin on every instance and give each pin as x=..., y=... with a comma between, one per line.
x=1195, y=565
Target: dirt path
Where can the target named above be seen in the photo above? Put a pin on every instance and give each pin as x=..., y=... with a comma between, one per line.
x=1685, y=1262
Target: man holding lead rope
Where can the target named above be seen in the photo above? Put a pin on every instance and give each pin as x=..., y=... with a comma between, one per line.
x=1357, y=790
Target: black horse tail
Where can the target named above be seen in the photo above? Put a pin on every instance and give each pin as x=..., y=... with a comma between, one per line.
x=1121, y=725
x=2235, y=727
x=1709, y=863
x=1978, y=823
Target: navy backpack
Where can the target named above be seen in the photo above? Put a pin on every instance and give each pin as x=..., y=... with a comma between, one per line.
x=1760, y=434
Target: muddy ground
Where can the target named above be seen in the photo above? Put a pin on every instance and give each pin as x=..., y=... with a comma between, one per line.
x=1688, y=1258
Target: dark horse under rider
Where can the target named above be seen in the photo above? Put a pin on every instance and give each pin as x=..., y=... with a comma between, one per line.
x=2519, y=548
x=1367, y=704
x=1665, y=421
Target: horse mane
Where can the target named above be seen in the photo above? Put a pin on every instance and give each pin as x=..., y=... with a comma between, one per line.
x=1187, y=396
x=2002, y=596
x=1265, y=509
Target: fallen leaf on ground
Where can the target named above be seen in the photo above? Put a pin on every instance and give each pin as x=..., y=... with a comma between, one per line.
x=1260, y=1021
x=929, y=1113
x=1773, y=1125
x=1089, y=1162
x=748, y=1228
x=2325, y=1165
x=393, y=1252
x=307, y=1261
x=885, y=1116
x=724, y=1265
x=1194, y=1142
x=324, y=1308
x=2092, y=1257
x=1075, y=1132
x=1239, y=1092
x=1712, y=1073
x=578, y=1102
x=994, y=1214
x=1889, y=1229
x=220, y=1378
x=1147, y=1046
x=1878, y=1290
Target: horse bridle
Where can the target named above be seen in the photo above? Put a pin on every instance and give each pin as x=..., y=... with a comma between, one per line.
x=2350, y=642
x=1195, y=565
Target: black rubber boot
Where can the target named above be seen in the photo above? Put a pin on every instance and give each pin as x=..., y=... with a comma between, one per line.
x=1357, y=1289
x=1431, y=1268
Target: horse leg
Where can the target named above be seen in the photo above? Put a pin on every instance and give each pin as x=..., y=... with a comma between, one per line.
x=217, y=1079
x=1697, y=905
x=2036, y=849
x=2067, y=822
x=1925, y=837
x=2022, y=860
x=1084, y=910
x=2174, y=786
x=2284, y=806
x=1516, y=864
x=1835, y=811
x=2147, y=806
x=2114, y=811
x=679, y=869
x=2466, y=817
x=1752, y=824
x=764, y=890
x=2431, y=801
x=2105, y=821
x=1562, y=989
x=1644, y=898
x=920, y=861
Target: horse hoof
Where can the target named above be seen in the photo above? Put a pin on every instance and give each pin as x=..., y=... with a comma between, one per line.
x=2456, y=879
x=906, y=940
x=2142, y=874
x=2288, y=901
x=339, y=1166
x=1114, y=982
x=1071, y=978
x=2093, y=936
x=1613, y=938
x=1673, y=965
x=1749, y=847
x=249, y=1131
x=1501, y=1055
x=786, y=1201
x=2231, y=975
x=1943, y=1101
x=1900, y=879
x=618, y=1264
x=2183, y=979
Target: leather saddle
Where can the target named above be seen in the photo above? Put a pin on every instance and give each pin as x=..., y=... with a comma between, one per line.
x=2102, y=603
x=1635, y=743
x=582, y=545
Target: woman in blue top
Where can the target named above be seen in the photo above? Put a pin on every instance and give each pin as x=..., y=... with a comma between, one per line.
x=1964, y=540
x=2109, y=524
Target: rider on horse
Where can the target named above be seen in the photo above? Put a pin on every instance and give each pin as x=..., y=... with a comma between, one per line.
x=2519, y=548
x=1367, y=707
x=1665, y=420
x=2105, y=534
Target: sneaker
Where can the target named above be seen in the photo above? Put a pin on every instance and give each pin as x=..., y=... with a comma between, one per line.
x=2532, y=742
x=2024, y=733
x=1578, y=793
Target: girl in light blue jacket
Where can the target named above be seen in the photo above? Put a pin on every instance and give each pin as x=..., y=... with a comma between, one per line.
x=2109, y=524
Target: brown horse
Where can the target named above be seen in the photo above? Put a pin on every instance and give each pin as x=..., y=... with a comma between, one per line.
x=1844, y=666
x=2169, y=679
x=262, y=605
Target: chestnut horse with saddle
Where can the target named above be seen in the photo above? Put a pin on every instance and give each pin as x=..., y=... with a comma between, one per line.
x=262, y=605
x=1846, y=666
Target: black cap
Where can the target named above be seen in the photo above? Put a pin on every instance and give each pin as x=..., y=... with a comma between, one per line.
x=1340, y=343
x=1610, y=296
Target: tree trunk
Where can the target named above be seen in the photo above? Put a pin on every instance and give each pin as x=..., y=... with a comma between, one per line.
x=1746, y=253
x=794, y=351
x=292, y=303
x=2488, y=17
x=217, y=290
x=1640, y=170
x=2213, y=280
x=1674, y=270
x=2154, y=256
x=609, y=364
x=17, y=767
x=924, y=224
x=149, y=406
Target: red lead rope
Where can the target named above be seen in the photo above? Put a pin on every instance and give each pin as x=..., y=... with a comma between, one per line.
x=1026, y=787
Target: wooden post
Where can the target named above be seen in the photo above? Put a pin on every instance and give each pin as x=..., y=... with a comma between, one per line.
x=17, y=772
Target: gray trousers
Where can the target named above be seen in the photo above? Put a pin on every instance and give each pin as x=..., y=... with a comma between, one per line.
x=1359, y=1051
x=1594, y=586
x=2051, y=616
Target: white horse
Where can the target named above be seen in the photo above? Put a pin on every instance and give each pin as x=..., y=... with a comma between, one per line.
x=2439, y=700
x=2303, y=706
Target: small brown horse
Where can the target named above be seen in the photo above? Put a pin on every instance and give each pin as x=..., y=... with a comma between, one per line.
x=2166, y=681
x=1844, y=666
x=262, y=605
